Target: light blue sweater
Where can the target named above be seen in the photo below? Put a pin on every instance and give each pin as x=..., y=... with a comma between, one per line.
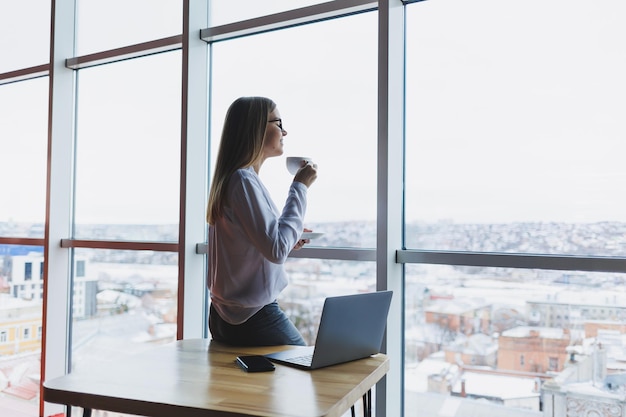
x=250, y=243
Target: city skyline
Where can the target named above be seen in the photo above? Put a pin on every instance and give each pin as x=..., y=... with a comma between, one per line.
x=457, y=294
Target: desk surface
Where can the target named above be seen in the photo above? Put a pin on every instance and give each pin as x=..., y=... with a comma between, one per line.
x=196, y=377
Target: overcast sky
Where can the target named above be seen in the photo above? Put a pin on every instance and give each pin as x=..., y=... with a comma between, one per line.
x=512, y=115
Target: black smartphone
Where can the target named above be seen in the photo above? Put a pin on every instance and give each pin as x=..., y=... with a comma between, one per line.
x=255, y=363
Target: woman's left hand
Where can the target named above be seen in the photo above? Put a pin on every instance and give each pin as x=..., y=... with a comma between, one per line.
x=302, y=242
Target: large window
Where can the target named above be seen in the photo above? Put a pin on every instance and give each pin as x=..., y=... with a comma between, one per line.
x=23, y=148
x=127, y=190
x=323, y=79
x=514, y=134
x=513, y=147
x=128, y=149
x=510, y=298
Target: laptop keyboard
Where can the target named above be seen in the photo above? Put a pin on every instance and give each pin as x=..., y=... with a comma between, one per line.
x=302, y=360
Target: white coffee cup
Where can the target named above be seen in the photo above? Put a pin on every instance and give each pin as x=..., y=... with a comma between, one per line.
x=294, y=163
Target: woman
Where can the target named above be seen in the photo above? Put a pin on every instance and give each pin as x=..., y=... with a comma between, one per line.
x=249, y=238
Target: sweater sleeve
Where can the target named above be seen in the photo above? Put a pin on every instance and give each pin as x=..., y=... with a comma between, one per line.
x=272, y=232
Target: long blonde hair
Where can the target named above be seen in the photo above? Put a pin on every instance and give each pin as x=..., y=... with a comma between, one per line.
x=240, y=147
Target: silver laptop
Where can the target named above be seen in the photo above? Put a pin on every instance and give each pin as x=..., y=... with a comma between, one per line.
x=351, y=327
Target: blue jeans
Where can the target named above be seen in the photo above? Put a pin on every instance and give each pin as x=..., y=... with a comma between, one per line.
x=268, y=327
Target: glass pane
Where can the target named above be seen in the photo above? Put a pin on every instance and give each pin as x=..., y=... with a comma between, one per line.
x=512, y=342
x=24, y=34
x=312, y=280
x=228, y=11
x=323, y=79
x=514, y=131
x=128, y=150
x=123, y=303
x=103, y=25
x=23, y=157
x=21, y=295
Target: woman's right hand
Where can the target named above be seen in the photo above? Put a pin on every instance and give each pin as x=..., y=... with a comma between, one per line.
x=307, y=174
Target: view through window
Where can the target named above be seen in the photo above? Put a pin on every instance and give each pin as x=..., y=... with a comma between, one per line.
x=21, y=297
x=23, y=147
x=514, y=142
x=127, y=189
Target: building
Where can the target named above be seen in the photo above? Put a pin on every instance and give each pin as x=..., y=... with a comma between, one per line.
x=20, y=325
x=533, y=349
x=570, y=309
x=585, y=387
x=25, y=281
x=476, y=350
x=459, y=315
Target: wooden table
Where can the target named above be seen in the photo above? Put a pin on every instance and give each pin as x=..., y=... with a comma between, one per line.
x=199, y=378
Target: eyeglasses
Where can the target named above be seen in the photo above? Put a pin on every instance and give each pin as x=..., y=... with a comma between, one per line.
x=279, y=124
